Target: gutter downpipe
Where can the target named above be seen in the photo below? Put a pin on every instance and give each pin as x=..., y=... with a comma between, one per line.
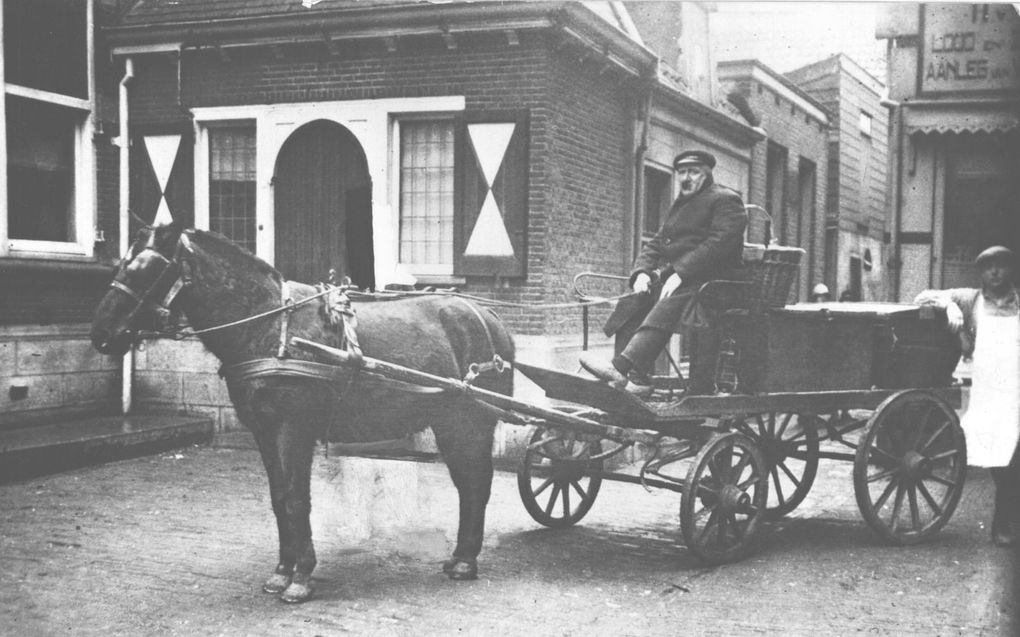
x=897, y=166
x=123, y=141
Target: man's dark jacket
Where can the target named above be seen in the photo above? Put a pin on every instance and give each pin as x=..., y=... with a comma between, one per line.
x=701, y=239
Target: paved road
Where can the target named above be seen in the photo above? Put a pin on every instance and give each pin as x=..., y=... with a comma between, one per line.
x=178, y=544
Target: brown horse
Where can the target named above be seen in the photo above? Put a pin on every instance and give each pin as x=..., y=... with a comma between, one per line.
x=214, y=282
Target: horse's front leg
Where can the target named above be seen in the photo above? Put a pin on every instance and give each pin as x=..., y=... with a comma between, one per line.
x=267, y=444
x=287, y=454
x=467, y=449
x=296, y=446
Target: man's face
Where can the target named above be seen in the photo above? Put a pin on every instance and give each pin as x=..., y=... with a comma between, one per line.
x=996, y=274
x=691, y=178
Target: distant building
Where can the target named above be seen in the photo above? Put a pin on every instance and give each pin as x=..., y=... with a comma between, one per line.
x=954, y=86
x=855, y=209
x=790, y=166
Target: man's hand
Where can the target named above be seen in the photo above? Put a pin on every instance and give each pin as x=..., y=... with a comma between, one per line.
x=670, y=286
x=642, y=282
x=954, y=316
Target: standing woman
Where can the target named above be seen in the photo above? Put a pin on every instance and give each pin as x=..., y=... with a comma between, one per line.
x=988, y=322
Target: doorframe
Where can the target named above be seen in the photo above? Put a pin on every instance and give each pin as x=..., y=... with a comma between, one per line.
x=369, y=121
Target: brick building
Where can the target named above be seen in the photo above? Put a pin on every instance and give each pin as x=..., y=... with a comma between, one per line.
x=955, y=140
x=855, y=209
x=500, y=148
x=58, y=221
x=790, y=167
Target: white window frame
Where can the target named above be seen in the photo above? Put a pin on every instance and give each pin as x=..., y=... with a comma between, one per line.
x=419, y=269
x=865, y=122
x=83, y=244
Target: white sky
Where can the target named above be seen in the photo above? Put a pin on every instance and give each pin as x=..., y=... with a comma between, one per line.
x=788, y=35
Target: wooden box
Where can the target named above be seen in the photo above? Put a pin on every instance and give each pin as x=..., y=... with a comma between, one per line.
x=842, y=346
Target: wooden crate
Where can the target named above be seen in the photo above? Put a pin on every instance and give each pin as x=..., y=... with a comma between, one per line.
x=842, y=346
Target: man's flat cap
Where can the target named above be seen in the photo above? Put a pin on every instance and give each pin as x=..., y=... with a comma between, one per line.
x=995, y=253
x=692, y=157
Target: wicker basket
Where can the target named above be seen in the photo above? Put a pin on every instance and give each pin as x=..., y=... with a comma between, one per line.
x=771, y=271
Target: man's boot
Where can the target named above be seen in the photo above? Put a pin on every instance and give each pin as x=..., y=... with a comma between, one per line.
x=1004, y=517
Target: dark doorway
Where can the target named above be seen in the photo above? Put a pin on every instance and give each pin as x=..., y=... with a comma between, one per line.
x=323, y=202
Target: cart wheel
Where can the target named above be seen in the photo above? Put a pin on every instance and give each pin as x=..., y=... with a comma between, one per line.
x=724, y=498
x=557, y=480
x=910, y=466
x=789, y=444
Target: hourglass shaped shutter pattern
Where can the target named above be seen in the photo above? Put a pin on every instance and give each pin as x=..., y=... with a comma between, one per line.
x=494, y=197
x=162, y=151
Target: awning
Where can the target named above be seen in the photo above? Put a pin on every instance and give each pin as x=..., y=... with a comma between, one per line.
x=970, y=118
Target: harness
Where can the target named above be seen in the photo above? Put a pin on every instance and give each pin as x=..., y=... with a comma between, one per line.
x=337, y=311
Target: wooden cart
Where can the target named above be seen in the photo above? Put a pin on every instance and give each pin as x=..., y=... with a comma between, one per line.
x=866, y=383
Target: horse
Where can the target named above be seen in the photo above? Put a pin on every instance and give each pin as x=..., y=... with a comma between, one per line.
x=217, y=285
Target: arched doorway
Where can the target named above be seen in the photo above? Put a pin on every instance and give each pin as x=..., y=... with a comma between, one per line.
x=323, y=206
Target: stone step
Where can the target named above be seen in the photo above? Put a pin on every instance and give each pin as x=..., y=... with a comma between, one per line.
x=28, y=452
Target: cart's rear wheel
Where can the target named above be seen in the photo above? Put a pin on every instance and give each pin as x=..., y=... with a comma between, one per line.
x=789, y=444
x=557, y=479
x=724, y=498
x=910, y=466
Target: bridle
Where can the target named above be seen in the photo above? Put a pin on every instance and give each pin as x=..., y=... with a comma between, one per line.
x=174, y=274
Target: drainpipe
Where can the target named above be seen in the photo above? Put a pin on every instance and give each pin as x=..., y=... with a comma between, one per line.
x=123, y=141
x=897, y=169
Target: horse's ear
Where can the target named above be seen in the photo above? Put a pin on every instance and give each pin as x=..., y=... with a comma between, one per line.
x=166, y=235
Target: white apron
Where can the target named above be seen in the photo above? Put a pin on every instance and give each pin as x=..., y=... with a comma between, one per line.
x=992, y=421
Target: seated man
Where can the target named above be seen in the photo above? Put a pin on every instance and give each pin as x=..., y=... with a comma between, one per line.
x=702, y=238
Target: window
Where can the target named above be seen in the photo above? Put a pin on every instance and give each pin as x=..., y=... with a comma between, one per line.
x=427, y=195
x=40, y=171
x=657, y=198
x=232, y=183
x=49, y=177
x=865, y=124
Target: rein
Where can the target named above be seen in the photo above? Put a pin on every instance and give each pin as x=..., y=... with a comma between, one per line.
x=183, y=280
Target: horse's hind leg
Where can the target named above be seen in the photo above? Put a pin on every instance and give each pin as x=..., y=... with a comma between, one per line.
x=466, y=445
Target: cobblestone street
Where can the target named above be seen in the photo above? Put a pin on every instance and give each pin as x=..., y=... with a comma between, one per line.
x=179, y=544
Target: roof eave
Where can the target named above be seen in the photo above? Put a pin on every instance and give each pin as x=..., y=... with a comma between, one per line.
x=572, y=19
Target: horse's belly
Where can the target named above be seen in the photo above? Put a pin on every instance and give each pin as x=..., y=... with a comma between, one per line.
x=371, y=411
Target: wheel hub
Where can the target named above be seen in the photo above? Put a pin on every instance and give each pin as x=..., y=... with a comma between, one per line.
x=733, y=500
x=913, y=466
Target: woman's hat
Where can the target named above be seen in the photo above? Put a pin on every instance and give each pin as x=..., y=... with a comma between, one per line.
x=994, y=253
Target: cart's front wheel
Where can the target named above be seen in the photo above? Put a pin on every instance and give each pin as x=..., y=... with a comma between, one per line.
x=789, y=443
x=558, y=480
x=724, y=498
x=910, y=466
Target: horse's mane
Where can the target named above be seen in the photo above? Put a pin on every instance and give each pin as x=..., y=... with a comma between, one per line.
x=224, y=248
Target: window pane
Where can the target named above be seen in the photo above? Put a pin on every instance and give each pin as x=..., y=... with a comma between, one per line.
x=426, y=193
x=232, y=184
x=40, y=170
x=44, y=45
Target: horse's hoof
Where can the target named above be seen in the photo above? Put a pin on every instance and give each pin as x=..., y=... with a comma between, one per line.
x=276, y=583
x=297, y=593
x=460, y=570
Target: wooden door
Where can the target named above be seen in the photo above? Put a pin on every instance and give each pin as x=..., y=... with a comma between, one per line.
x=323, y=206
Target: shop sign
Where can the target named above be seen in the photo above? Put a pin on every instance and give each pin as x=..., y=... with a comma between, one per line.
x=970, y=47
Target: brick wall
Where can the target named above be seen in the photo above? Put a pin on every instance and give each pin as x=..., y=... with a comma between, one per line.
x=803, y=136
x=580, y=130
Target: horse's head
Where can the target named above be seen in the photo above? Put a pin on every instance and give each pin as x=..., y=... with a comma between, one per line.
x=145, y=285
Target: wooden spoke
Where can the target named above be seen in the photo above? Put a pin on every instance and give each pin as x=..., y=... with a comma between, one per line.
x=565, y=465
